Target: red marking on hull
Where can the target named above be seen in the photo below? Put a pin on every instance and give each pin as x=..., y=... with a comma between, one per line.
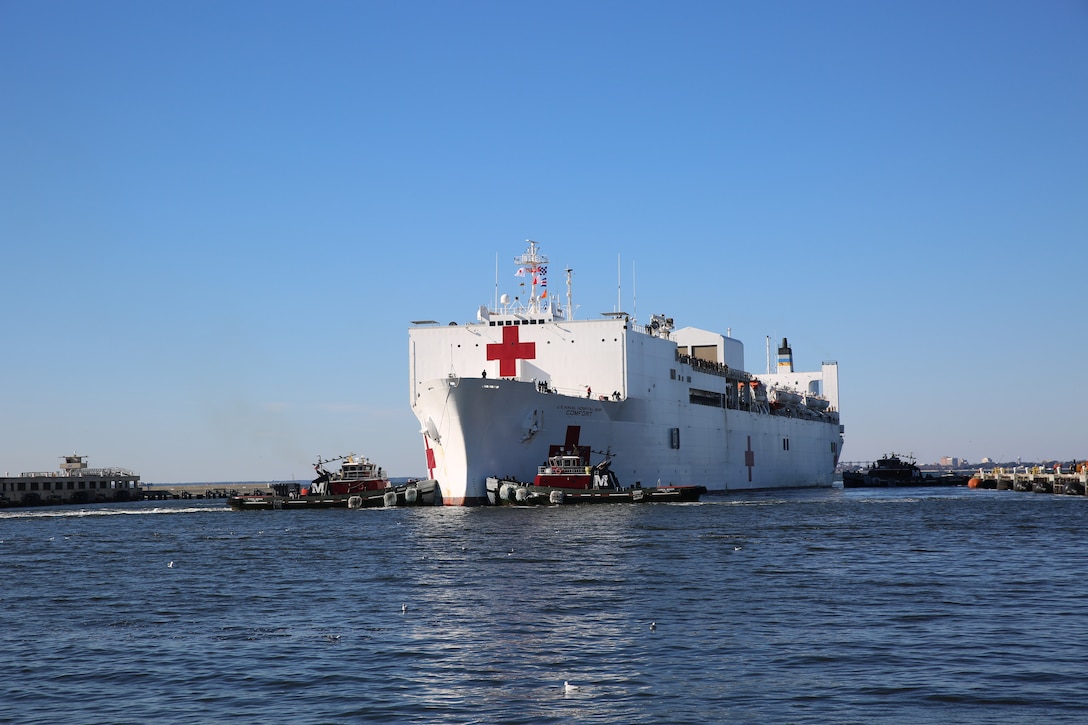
x=465, y=501
x=430, y=457
x=571, y=444
x=509, y=351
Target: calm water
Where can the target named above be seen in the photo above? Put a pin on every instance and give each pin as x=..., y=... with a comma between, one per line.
x=902, y=605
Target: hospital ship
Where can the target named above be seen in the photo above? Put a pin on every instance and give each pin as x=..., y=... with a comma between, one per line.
x=668, y=405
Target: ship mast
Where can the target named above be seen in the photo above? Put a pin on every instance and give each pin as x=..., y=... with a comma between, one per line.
x=570, y=303
x=531, y=263
x=619, y=295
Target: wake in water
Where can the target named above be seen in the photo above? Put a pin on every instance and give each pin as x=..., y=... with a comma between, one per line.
x=79, y=513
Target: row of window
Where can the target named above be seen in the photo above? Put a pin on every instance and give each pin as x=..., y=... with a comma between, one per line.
x=72, y=485
x=501, y=323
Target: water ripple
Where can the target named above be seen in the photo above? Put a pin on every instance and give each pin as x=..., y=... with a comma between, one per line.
x=892, y=606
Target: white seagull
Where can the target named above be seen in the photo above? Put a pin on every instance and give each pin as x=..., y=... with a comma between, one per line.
x=567, y=687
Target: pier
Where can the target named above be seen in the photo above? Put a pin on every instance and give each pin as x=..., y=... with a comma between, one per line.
x=177, y=491
x=1035, y=479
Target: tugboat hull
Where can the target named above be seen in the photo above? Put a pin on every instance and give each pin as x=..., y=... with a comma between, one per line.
x=418, y=493
x=506, y=492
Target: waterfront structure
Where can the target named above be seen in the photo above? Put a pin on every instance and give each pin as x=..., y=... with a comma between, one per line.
x=75, y=482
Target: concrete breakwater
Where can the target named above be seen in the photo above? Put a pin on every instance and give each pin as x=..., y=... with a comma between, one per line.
x=173, y=491
x=1036, y=479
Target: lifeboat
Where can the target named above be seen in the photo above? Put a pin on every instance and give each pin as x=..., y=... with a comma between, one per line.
x=784, y=396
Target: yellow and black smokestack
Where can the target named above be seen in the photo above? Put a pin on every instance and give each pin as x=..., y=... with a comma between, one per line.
x=785, y=357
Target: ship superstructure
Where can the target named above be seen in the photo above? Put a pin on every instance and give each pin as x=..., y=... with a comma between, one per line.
x=498, y=396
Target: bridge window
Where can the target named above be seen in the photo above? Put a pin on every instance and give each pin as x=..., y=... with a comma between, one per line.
x=705, y=397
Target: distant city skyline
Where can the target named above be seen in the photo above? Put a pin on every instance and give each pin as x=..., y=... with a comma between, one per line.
x=218, y=220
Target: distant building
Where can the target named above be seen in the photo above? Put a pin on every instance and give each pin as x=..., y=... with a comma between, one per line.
x=952, y=462
x=73, y=483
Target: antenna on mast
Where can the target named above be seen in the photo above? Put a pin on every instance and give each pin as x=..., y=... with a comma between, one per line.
x=570, y=304
x=634, y=294
x=619, y=297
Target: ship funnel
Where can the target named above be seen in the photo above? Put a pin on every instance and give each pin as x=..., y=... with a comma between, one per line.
x=785, y=357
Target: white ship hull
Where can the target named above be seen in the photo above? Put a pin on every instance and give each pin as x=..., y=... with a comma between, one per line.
x=505, y=427
x=497, y=396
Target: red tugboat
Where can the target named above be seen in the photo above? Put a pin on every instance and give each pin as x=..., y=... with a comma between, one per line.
x=567, y=477
x=357, y=474
x=359, y=483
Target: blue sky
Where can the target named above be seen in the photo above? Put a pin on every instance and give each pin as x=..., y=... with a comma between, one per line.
x=218, y=218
